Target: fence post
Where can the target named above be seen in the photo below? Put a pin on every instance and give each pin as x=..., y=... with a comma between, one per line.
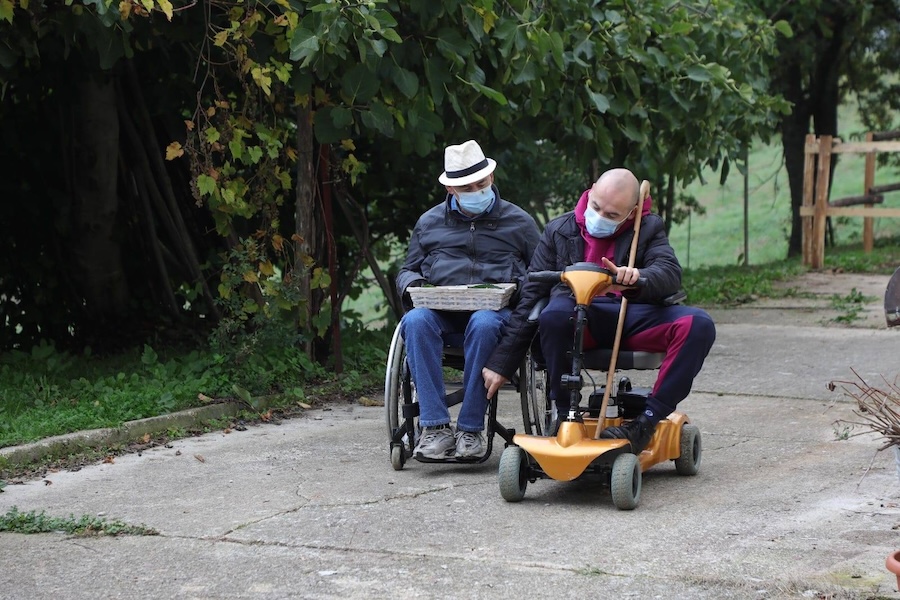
x=809, y=169
x=821, y=202
x=869, y=222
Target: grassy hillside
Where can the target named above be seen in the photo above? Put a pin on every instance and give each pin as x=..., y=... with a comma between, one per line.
x=717, y=237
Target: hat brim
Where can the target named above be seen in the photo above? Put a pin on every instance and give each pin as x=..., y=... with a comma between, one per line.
x=471, y=178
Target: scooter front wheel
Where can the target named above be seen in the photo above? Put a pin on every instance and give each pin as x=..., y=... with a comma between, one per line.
x=625, y=481
x=513, y=474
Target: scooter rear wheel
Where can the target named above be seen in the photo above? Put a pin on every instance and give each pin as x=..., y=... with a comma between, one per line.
x=691, y=450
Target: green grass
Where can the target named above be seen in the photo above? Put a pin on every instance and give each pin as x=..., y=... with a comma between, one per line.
x=717, y=237
x=718, y=285
x=47, y=392
x=85, y=526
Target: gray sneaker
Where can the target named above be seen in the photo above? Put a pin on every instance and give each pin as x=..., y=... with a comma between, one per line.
x=436, y=444
x=469, y=444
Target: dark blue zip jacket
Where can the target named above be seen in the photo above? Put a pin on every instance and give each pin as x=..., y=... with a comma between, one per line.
x=447, y=248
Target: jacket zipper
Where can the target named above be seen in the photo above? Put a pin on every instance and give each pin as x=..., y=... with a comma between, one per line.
x=472, y=264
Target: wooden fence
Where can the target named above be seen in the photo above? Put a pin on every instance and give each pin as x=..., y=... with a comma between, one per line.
x=817, y=207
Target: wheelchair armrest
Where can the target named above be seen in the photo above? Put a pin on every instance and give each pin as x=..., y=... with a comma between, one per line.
x=540, y=305
x=677, y=298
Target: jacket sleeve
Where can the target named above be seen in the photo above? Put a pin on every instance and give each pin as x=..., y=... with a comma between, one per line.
x=657, y=262
x=531, y=236
x=519, y=332
x=411, y=271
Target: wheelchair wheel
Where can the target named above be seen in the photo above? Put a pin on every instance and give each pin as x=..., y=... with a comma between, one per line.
x=691, y=450
x=537, y=413
x=396, y=365
x=625, y=482
x=398, y=390
x=397, y=458
x=513, y=474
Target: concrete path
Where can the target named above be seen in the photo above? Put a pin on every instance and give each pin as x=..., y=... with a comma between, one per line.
x=782, y=507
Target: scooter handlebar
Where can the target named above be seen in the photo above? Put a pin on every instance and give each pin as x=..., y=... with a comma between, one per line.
x=545, y=276
x=555, y=277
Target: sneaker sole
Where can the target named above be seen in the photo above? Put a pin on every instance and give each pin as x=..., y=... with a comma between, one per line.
x=447, y=454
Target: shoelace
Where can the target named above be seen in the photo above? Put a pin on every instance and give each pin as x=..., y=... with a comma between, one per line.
x=430, y=435
x=469, y=439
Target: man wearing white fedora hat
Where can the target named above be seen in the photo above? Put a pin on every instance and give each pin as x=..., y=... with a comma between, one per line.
x=472, y=237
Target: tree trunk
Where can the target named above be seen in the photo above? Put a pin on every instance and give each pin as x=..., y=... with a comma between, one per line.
x=304, y=222
x=794, y=128
x=95, y=250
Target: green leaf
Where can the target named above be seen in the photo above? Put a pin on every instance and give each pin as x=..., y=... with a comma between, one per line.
x=661, y=59
x=633, y=133
x=490, y=93
x=211, y=134
x=379, y=118
x=632, y=80
x=324, y=128
x=527, y=73
x=423, y=119
x=342, y=117
x=149, y=356
x=359, y=84
x=6, y=10
x=206, y=185
x=556, y=50
x=379, y=46
x=784, y=28
x=698, y=73
x=241, y=393
x=680, y=28
x=601, y=102
x=304, y=45
x=391, y=36
x=406, y=81
x=437, y=73
x=255, y=153
x=237, y=149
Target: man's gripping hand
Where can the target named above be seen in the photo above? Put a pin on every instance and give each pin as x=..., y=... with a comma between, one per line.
x=492, y=381
x=626, y=276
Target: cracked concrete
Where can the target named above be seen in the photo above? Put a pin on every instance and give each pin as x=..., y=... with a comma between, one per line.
x=781, y=508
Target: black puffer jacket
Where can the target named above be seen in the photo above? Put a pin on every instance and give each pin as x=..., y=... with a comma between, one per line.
x=561, y=245
x=447, y=249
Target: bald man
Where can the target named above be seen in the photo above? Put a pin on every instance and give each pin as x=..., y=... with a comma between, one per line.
x=600, y=230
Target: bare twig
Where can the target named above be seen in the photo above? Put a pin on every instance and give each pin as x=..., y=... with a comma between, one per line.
x=878, y=409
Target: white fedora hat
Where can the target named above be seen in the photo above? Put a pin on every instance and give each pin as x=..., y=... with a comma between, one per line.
x=465, y=164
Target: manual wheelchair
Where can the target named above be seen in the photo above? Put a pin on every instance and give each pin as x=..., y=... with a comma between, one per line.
x=402, y=407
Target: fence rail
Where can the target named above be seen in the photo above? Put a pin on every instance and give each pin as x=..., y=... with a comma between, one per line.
x=817, y=207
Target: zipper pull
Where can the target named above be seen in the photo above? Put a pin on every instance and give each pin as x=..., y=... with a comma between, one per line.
x=472, y=227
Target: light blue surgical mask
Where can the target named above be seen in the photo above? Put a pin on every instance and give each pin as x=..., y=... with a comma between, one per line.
x=476, y=203
x=599, y=226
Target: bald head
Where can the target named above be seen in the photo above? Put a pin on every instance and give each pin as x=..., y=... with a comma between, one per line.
x=615, y=194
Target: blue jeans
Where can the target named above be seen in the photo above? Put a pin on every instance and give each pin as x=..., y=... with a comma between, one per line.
x=424, y=331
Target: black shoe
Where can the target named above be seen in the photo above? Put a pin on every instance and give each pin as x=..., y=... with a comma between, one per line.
x=638, y=432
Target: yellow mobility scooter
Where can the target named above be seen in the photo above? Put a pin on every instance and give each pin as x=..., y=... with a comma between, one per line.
x=572, y=448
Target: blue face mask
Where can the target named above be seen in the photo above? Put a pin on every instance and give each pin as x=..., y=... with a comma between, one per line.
x=476, y=203
x=599, y=226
